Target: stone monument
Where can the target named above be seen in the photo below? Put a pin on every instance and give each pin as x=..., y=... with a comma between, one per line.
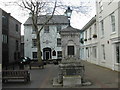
x=71, y=72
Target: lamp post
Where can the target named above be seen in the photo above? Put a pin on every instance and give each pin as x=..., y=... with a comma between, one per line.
x=68, y=13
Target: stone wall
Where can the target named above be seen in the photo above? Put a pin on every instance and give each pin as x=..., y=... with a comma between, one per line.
x=71, y=41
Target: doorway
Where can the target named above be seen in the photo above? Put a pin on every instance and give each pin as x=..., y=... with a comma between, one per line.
x=71, y=50
x=47, y=53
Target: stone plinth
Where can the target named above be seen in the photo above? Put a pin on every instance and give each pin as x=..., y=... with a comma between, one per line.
x=72, y=81
x=71, y=72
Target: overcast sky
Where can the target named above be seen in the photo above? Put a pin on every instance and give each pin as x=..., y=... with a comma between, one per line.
x=78, y=20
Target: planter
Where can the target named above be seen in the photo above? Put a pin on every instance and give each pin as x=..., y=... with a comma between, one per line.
x=36, y=64
x=85, y=39
x=94, y=36
x=89, y=38
x=81, y=40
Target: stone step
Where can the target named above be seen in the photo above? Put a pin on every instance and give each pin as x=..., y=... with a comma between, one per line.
x=55, y=83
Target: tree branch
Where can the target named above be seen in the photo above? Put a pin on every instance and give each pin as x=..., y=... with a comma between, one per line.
x=49, y=18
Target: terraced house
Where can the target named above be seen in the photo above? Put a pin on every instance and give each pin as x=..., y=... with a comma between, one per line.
x=10, y=30
x=102, y=35
x=50, y=37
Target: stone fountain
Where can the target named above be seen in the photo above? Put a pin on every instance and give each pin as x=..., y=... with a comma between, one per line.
x=71, y=70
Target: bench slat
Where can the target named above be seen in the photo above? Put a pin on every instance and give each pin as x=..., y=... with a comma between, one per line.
x=15, y=74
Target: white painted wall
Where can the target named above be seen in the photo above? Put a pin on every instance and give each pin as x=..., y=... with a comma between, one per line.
x=89, y=44
x=109, y=39
x=51, y=37
x=108, y=8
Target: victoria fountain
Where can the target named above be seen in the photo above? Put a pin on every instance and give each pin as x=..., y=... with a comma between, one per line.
x=71, y=69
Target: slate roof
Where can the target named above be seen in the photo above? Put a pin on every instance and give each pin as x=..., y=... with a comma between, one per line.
x=70, y=29
x=57, y=19
x=89, y=23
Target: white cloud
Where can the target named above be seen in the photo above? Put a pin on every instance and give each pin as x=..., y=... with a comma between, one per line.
x=78, y=20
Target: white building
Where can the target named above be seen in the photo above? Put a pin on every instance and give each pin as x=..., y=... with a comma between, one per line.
x=108, y=16
x=50, y=37
x=89, y=48
x=105, y=50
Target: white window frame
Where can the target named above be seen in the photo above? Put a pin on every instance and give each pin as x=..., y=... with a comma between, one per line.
x=113, y=22
x=95, y=28
x=58, y=42
x=90, y=32
x=58, y=54
x=101, y=6
x=102, y=28
x=103, y=51
x=94, y=51
x=34, y=44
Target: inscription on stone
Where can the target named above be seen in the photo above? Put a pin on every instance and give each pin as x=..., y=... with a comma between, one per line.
x=70, y=72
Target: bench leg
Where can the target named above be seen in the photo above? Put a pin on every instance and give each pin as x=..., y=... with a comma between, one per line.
x=42, y=66
x=30, y=67
x=28, y=79
x=4, y=80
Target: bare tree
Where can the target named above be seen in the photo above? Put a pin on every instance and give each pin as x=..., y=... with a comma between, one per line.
x=36, y=8
x=40, y=7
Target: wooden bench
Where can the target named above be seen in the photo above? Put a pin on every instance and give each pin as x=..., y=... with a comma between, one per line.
x=15, y=74
x=36, y=64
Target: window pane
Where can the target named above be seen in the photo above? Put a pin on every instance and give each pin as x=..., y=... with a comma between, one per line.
x=118, y=52
x=46, y=29
x=94, y=52
x=103, y=52
x=34, y=42
x=59, y=54
x=17, y=27
x=102, y=27
x=59, y=42
x=34, y=54
x=70, y=50
x=17, y=44
x=54, y=53
x=113, y=22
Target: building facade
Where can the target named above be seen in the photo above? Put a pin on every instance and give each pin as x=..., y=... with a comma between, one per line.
x=22, y=46
x=109, y=21
x=105, y=50
x=70, y=42
x=89, y=42
x=50, y=37
x=14, y=40
x=9, y=37
x=0, y=38
x=5, y=33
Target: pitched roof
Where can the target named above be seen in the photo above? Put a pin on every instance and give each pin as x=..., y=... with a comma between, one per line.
x=89, y=23
x=56, y=19
x=70, y=29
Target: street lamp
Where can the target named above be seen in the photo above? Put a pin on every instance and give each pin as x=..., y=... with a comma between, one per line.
x=68, y=13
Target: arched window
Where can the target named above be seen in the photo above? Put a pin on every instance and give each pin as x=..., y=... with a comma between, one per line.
x=54, y=53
